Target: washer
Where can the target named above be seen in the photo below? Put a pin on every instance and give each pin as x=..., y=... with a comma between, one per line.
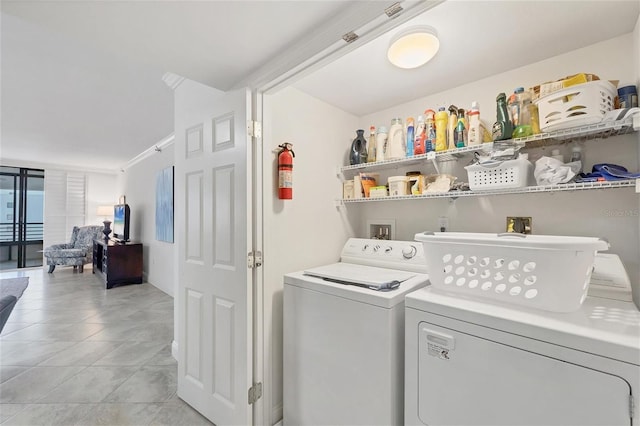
x=471, y=362
x=344, y=340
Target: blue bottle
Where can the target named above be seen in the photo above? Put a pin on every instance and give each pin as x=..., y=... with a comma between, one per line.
x=410, y=136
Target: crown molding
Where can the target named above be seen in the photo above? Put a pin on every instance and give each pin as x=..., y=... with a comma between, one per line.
x=172, y=80
x=158, y=147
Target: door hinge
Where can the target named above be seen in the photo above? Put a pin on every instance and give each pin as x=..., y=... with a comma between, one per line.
x=255, y=392
x=254, y=129
x=393, y=10
x=254, y=259
x=632, y=406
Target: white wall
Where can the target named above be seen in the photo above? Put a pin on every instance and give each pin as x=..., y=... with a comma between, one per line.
x=308, y=230
x=138, y=184
x=607, y=213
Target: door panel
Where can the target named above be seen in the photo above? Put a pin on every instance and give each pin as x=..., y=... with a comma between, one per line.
x=214, y=314
x=466, y=379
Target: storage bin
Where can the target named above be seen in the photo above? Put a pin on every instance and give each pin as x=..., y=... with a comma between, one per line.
x=538, y=271
x=398, y=185
x=578, y=105
x=516, y=173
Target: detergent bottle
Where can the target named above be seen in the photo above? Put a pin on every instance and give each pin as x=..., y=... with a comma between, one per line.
x=410, y=136
x=441, y=129
x=430, y=130
x=421, y=137
x=451, y=126
x=474, y=134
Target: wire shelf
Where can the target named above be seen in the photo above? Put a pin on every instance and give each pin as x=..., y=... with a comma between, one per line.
x=601, y=130
x=529, y=189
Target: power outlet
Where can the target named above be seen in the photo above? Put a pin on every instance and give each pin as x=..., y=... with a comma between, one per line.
x=443, y=223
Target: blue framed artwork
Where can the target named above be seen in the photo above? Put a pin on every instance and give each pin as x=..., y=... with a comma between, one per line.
x=164, y=205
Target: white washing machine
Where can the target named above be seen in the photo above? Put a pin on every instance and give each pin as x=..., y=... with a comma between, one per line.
x=479, y=363
x=344, y=335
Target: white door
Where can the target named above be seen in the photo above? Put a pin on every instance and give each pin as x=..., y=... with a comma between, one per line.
x=214, y=231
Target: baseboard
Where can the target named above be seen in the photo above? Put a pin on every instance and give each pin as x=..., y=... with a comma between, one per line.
x=174, y=350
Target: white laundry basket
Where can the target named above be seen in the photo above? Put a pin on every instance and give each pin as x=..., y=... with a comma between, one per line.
x=539, y=271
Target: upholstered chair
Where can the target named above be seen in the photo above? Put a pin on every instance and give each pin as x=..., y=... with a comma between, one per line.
x=77, y=252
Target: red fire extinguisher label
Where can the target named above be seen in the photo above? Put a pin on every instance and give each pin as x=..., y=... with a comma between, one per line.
x=285, y=179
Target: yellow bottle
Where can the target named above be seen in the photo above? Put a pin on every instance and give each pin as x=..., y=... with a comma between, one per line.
x=441, y=129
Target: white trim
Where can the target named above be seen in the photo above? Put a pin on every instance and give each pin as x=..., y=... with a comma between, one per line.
x=174, y=350
x=172, y=80
x=369, y=20
x=167, y=141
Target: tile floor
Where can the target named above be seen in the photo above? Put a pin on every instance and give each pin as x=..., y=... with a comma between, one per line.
x=73, y=353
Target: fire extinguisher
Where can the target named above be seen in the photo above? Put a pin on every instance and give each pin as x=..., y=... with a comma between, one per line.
x=285, y=171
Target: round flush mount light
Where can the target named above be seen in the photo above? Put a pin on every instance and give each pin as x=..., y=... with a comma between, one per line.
x=414, y=47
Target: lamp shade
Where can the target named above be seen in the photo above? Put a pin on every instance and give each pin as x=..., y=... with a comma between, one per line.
x=413, y=47
x=105, y=211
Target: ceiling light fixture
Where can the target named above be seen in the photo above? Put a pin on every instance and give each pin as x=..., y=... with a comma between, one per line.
x=414, y=47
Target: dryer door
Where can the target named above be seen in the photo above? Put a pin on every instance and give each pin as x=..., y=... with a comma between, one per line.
x=468, y=380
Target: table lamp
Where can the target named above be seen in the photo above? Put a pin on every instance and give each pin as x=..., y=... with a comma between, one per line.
x=106, y=212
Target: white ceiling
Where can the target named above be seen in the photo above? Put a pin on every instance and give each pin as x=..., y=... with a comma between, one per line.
x=82, y=80
x=477, y=39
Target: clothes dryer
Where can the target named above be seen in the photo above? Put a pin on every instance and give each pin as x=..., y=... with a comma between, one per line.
x=344, y=335
x=471, y=362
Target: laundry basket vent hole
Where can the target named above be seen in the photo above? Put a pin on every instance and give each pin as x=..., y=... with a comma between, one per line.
x=458, y=260
x=531, y=293
x=500, y=288
x=530, y=280
x=473, y=283
x=472, y=260
x=514, y=291
x=529, y=267
x=460, y=270
x=446, y=258
x=448, y=280
x=461, y=281
x=514, y=278
x=487, y=285
x=513, y=265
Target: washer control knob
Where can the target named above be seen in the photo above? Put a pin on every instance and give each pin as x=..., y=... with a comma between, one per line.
x=376, y=248
x=409, y=251
x=366, y=246
x=388, y=249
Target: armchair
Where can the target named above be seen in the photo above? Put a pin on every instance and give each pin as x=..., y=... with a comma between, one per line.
x=75, y=253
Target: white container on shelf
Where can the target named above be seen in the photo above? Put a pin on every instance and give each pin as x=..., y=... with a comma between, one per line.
x=539, y=271
x=578, y=105
x=398, y=185
x=508, y=174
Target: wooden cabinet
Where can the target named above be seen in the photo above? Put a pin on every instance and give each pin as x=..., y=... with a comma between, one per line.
x=117, y=263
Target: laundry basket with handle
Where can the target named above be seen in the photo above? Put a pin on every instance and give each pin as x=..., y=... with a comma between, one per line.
x=539, y=271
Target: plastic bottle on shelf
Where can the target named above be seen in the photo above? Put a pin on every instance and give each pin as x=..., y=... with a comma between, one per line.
x=396, y=144
x=555, y=153
x=410, y=136
x=576, y=155
x=430, y=130
x=451, y=126
x=421, y=137
x=461, y=130
x=475, y=131
x=441, y=129
x=381, y=143
x=522, y=123
x=503, y=127
x=371, y=158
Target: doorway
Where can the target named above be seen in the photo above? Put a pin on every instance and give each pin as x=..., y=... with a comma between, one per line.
x=21, y=217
